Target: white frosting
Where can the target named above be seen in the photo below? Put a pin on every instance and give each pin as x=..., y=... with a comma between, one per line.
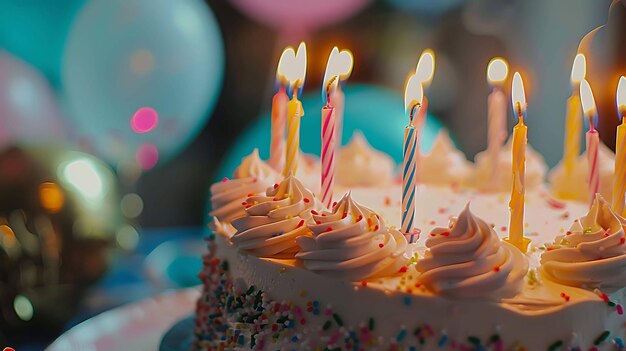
x=445, y=164
x=536, y=317
x=273, y=221
x=534, y=177
x=358, y=164
x=352, y=242
x=592, y=253
x=253, y=176
x=468, y=260
x=574, y=186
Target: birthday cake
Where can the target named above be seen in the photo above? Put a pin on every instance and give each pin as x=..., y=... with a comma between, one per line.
x=286, y=270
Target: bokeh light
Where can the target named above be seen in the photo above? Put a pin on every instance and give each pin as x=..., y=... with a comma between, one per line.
x=142, y=61
x=147, y=156
x=51, y=197
x=144, y=120
x=131, y=205
x=23, y=307
x=83, y=176
x=8, y=237
x=127, y=237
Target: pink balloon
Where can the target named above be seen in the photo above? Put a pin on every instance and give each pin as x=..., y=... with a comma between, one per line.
x=28, y=108
x=299, y=15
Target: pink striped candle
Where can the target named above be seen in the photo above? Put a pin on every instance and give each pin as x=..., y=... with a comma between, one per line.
x=328, y=153
x=279, y=120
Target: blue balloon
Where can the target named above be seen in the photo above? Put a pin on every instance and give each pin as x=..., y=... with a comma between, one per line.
x=124, y=55
x=377, y=112
x=35, y=31
x=427, y=7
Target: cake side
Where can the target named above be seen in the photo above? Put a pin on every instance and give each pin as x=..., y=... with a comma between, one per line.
x=303, y=310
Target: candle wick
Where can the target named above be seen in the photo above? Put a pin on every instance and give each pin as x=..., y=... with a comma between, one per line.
x=295, y=92
x=414, y=109
x=328, y=85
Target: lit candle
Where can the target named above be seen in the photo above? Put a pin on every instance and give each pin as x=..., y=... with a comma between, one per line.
x=279, y=115
x=342, y=62
x=413, y=96
x=339, y=65
x=619, y=177
x=574, y=121
x=592, y=138
x=295, y=74
x=424, y=72
x=518, y=167
x=497, y=71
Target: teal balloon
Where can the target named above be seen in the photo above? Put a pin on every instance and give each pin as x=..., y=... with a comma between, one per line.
x=124, y=55
x=375, y=111
x=36, y=30
x=427, y=7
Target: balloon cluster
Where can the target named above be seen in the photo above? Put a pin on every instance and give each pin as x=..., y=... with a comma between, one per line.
x=137, y=79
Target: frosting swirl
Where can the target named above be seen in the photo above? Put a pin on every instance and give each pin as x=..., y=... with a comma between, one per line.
x=252, y=176
x=353, y=243
x=535, y=170
x=468, y=260
x=592, y=253
x=445, y=164
x=358, y=164
x=573, y=186
x=273, y=221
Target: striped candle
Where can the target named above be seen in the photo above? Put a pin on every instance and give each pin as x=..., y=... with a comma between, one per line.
x=593, y=180
x=409, y=178
x=279, y=119
x=328, y=154
x=294, y=112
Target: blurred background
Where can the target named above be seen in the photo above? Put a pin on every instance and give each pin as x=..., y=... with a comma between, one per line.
x=116, y=115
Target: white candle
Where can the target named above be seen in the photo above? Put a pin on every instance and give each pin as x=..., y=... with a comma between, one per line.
x=497, y=72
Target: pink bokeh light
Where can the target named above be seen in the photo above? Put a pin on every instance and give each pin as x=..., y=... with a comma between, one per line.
x=144, y=120
x=147, y=156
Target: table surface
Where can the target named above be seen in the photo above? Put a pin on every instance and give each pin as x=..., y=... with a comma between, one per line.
x=163, y=261
x=139, y=326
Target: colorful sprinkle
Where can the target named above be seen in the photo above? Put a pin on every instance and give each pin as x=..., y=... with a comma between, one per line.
x=602, y=338
x=555, y=346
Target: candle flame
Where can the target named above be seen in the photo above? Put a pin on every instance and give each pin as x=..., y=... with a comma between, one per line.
x=413, y=92
x=621, y=95
x=586, y=98
x=497, y=70
x=292, y=65
x=579, y=69
x=518, y=95
x=338, y=67
x=426, y=67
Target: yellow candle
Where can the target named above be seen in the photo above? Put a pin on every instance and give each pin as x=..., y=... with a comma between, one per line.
x=574, y=121
x=294, y=72
x=619, y=177
x=518, y=168
x=294, y=112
